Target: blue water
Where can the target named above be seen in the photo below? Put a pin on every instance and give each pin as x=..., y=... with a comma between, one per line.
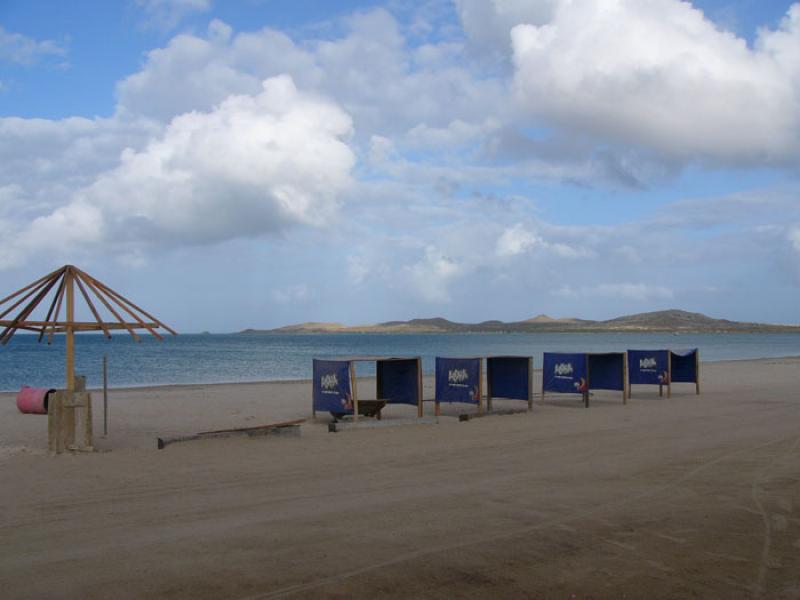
x=204, y=358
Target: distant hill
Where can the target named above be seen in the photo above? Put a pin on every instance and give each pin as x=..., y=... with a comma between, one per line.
x=662, y=321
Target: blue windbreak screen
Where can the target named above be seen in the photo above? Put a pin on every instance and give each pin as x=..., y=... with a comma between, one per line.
x=647, y=367
x=565, y=373
x=684, y=366
x=508, y=376
x=606, y=371
x=458, y=380
x=331, y=386
x=398, y=381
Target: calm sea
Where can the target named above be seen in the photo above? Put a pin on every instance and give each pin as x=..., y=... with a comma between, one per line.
x=215, y=358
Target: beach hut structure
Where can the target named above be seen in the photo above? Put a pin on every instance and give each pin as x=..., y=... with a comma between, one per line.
x=335, y=386
x=459, y=380
x=580, y=373
x=509, y=377
x=663, y=368
x=70, y=409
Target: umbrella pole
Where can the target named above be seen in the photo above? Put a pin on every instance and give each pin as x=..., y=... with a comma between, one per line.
x=70, y=331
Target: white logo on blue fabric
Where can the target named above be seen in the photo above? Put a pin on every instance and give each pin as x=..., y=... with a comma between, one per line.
x=647, y=364
x=329, y=383
x=457, y=377
x=563, y=369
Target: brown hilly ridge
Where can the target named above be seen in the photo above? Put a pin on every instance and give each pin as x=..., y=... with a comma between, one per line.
x=659, y=321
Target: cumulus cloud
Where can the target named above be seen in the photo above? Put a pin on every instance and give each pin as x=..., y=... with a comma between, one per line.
x=518, y=240
x=488, y=23
x=673, y=83
x=253, y=165
x=433, y=274
x=23, y=50
x=370, y=70
x=166, y=14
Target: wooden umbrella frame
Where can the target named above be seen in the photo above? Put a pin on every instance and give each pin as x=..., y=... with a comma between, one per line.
x=64, y=281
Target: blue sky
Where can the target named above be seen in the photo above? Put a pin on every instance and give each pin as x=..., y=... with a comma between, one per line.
x=280, y=162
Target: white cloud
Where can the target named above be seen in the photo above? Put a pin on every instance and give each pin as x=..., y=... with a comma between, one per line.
x=640, y=292
x=24, y=50
x=369, y=70
x=518, y=240
x=253, y=165
x=166, y=14
x=433, y=274
x=488, y=23
x=673, y=82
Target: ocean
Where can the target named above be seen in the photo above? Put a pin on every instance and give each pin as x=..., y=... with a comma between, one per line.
x=225, y=358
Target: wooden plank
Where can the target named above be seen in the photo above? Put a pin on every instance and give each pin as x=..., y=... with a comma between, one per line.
x=530, y=383
x=119, y=296
x=254, y=427
x=492, y=413
x=625, y=378
x=89, y=302
x=58, y=294
x=290, y=428
x=419, y=388
x=588, y=387
x=543, y=378
x=30, y=285
x=11, y=329
x=669, y=375
x=59, y=300
x=354, y=390
x=70, y=333
x=488, y=384
x=697, y=371
x=110, y=308
x=480, y=385
x=116, y=299
x=32, y=292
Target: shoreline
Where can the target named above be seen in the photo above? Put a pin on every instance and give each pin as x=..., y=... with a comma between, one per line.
x=262, y=382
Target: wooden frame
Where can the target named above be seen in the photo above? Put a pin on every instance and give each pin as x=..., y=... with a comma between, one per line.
x=437, y=407
x=351, y=361
x=586, y=357
x=73, y=402
x=489, y=391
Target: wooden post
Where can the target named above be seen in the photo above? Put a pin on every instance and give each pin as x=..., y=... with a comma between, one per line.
x=543, y=378
x=105, y=395
x=625, y=378
x=669, y=374
x=697, y=370
x=488, y=384
x=354, y=390
x=586, y=393
x=419, y=389
x=530, y=383
x=480, y=385
x=70, y=331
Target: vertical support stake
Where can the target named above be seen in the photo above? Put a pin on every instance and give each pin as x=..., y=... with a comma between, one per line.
x=105, y=395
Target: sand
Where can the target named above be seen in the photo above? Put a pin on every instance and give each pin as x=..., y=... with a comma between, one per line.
x=696, y=496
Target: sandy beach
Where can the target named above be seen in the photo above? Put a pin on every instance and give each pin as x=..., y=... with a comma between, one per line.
x=688, y=497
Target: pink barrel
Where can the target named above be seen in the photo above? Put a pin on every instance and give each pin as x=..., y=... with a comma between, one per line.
x=33, y=400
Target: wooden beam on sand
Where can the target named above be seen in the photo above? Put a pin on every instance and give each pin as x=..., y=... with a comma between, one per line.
x=291, y=428
x=492, y=413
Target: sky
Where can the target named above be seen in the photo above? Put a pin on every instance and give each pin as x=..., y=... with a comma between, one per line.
x=256, y=163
